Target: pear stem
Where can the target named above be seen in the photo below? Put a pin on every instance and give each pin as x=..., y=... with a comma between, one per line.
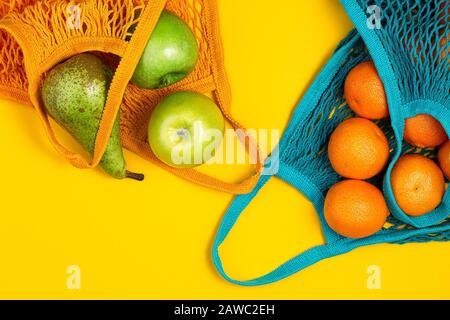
x=134, y=176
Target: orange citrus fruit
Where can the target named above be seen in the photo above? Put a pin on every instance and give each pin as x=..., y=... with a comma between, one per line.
x=355, y=209
x=444, y=158
x=417, y=53
x=418, y=184
x=358, y=149
x=365, y=93
x=442, y=14
x=443, y=44
x=424, y=131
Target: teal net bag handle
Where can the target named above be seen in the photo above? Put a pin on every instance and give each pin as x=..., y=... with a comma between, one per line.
x=303, y=163
x=409, y=41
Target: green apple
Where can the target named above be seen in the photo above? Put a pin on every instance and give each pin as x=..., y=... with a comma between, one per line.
x=171, y=54
x=186, y=129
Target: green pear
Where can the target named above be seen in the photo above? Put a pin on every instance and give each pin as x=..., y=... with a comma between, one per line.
x=74, y=94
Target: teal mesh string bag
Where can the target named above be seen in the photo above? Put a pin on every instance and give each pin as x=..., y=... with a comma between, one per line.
x=302, y=154
x=410, y=46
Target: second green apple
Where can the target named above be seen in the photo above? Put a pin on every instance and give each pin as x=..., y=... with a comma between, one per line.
x=171, y=54
x=186, y=129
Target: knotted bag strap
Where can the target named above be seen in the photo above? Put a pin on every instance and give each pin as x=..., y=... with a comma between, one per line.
x=122, y=76
x=294, y=265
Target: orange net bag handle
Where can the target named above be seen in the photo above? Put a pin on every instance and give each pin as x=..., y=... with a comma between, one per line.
x=130, y=58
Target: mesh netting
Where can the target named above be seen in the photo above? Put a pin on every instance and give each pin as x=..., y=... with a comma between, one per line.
x=306, y=145
x=12, y=70
x=415, y=33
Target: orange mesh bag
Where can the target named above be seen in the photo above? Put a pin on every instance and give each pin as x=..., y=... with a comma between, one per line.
x=36, y=35
x=13, y=81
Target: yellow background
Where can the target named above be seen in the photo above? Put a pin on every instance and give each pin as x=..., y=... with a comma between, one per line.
x=153, y=239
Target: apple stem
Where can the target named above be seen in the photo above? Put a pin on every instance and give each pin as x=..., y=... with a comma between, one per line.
x=134, y=176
